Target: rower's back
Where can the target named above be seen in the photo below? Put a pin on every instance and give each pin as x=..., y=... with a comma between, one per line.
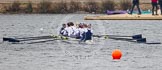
x=72, y=30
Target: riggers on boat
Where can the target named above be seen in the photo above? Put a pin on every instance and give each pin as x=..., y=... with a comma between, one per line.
x=134, y=38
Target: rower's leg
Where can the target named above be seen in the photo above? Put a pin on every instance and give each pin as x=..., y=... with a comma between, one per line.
x=83, y=37
x=86, y=36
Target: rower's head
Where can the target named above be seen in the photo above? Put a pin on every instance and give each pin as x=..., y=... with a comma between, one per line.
x=89, y=25
x=85, y=25
x=71, y=23
x=80, y=25
x=63, y=25
x=68, y=24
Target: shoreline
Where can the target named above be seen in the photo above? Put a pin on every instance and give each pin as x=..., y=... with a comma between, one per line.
x=66, y=7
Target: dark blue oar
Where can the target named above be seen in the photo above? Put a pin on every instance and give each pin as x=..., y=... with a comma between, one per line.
x=140, y=40
x=28, y=39
x=139, y=36
x=11, y=40
x=18, y=40
x=43, y=41
x=154, y=43
x=36, y=37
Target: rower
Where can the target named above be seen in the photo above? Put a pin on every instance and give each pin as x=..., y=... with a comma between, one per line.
x=80, y=31
x=65, y=31
x=87, y=34
x=70, y=30
x=73, y=30
x=62, y=29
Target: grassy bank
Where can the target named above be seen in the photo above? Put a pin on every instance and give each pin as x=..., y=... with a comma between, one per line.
x=64, y=7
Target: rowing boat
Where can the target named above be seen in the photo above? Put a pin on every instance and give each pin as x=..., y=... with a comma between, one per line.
x=62, y=37
x=134, y=38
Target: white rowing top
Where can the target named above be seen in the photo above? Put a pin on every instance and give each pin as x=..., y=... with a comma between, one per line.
x=72, y=31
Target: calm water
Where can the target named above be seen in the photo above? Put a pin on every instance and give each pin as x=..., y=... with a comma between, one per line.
x=61, y=55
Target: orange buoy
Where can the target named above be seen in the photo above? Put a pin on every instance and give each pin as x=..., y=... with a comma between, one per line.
x=116, y=54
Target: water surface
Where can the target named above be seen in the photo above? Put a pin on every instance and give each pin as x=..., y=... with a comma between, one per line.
x=64, y=55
